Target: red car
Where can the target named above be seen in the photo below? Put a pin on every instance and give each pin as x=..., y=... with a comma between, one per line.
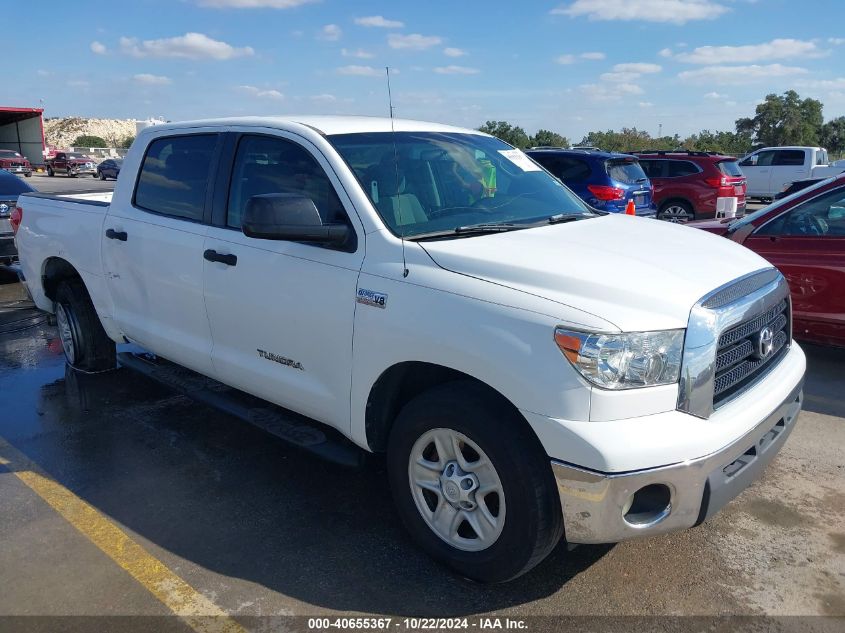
x=804, y=236
x=687, y=184
x=11, y=161
x=72, y=164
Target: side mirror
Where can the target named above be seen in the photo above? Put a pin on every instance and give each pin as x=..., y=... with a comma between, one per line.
x=289, y=217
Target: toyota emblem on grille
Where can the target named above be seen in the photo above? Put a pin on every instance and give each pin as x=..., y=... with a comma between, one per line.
x=765, y=342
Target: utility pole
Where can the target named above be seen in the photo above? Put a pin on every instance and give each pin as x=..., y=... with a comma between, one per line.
x=659, y=130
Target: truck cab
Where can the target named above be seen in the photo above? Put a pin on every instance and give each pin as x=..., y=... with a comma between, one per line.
x=770, y=170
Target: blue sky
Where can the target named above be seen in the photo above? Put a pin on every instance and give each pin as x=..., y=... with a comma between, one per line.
x=570, y=66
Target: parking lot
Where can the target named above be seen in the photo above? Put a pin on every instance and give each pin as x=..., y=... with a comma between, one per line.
x=117, y=495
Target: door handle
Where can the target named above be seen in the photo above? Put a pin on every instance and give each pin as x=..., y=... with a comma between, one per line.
x=116, y=235
x=214, y=256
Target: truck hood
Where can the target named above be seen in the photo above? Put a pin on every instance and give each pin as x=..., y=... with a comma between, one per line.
x=637, y=273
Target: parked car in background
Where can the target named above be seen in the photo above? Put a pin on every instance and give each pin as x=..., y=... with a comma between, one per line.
x=15, y=163
x=10, y=188
x=109, y=168
x=769, y=169
x=604, y=180
x=71, y=164
x=687, y=185
x=804, y=236
x=798, y=185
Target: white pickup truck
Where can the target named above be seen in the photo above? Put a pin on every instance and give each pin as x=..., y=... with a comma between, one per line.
x=770, y=170
x=530, y=367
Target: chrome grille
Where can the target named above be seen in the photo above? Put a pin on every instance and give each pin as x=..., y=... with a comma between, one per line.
x=738, y=363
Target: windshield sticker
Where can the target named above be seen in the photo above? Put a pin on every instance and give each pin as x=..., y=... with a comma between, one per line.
x=518, y=158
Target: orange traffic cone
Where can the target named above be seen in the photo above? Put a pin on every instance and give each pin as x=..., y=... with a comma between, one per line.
x=630, y=209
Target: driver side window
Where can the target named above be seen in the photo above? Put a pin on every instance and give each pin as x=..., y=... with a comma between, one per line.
x=821, y=217
x=266, y=164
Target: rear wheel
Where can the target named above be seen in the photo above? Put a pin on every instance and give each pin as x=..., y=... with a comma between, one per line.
x=472, y=484
x=676, y=211
x=84, y=341
x=50, y=171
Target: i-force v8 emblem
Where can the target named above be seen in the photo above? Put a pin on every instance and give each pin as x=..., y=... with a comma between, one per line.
x=372, y=298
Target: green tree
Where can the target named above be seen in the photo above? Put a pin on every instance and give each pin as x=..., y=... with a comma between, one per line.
x=547, y=138
x=89, y=140
x=785, y=119
x=126, y=142
x=503, y=130
x=833, y=134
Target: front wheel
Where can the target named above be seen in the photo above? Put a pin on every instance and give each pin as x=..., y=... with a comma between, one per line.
x=84, y=341
x=472, y=483
x=50, y=172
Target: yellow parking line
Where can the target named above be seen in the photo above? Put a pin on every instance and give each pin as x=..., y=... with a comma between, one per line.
x=195, y=609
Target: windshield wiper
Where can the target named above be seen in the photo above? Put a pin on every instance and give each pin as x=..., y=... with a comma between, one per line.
x=488, y=228
x=560, y=218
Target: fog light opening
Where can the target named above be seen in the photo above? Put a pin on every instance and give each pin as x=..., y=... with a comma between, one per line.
x=648, y=505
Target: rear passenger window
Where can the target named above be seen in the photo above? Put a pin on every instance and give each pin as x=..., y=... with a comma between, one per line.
x=174, y=176
x=789, y=157
x=571, y=169
x=678, y=168
x=652, y=168
x=266, y=164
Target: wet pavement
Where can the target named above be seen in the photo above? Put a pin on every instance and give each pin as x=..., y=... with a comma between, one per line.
x=259, y=529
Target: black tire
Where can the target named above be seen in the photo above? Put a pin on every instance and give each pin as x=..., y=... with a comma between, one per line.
x=29, y=175
x=50, y=172
x=92, y=349
x=102, y=176
x=70, y=174
x=533, y=522
x=680, y=205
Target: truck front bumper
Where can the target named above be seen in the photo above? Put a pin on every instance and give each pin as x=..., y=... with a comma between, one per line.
x=607, y=508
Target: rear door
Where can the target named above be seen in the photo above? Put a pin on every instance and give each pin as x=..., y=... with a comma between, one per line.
x=153, y=249
x=757, y=169
x=807, y=244
x=281, y=313
x=788, y=166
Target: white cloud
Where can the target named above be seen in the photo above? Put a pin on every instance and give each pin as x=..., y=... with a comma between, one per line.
x=323, y=98
x=456, y=70
x=157, y=80
x=836, y=41
x=189, y=46
x=615, y=92
x=714, y=95
x=361, y=71
x=98, y=48
x=665, y=52
x=254, y=4
x=565, y=60
x=330, y=33
x=822, y=84
x=42, y=73
x=414, y=41
x=379, y=21
x=638, y=67
x=454, y=52
x=359, y=53
x=748, y=53
x=78, y=83
x=262, y=93
x=673, y=11
x=738, y=75
x=619, y=77
x=593, y=55
x=646, y=104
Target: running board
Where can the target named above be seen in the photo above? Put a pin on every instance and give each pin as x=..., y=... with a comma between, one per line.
x=293, y=428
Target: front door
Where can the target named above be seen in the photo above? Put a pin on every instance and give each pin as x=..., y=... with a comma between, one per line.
x=281, y=313
x=757, y=169
x=807, y=244
x=153, y=251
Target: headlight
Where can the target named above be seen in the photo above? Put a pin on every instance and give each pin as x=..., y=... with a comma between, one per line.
x=624, y=361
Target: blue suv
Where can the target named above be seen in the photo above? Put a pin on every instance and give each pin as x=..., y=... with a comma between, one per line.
x=604, y=180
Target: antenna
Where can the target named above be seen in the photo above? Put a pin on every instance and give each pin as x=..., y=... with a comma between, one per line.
x=396, y=166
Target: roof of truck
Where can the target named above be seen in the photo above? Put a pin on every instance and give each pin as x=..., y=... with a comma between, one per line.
x=326, y=124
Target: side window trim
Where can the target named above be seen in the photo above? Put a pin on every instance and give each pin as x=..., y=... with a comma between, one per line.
x=209, y=186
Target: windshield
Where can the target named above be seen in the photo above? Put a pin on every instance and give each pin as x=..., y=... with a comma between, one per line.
x=9, y=153
x=748, y=219
x=76, y=155
x=434, y=182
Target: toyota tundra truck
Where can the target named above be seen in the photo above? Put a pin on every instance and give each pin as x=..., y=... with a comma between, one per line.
x=530, y=367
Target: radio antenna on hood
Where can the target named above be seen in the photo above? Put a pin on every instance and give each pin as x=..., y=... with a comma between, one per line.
x=398, y=178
